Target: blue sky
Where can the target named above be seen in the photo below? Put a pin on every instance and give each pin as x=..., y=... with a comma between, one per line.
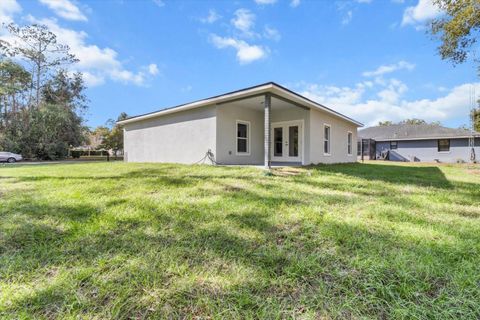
x=369, y=59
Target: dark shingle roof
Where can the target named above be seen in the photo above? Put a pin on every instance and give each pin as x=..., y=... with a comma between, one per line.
x=412, y=132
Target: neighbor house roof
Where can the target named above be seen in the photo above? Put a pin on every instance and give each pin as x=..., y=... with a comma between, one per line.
x=413, y=132
x=269, y=87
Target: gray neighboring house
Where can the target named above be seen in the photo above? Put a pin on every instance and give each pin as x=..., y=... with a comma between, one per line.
x=261, y=125
x=429, y=143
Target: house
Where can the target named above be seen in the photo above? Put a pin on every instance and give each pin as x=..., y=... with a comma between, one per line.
x=261, y=125
x=422, y=142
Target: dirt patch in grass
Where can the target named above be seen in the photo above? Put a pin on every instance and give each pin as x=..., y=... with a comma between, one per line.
x=288, y=171
x=474, y=171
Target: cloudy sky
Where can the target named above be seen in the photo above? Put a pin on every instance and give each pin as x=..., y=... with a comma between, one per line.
x=369, y=59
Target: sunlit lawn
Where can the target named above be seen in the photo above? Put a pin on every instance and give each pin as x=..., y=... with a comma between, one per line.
x=115, y=240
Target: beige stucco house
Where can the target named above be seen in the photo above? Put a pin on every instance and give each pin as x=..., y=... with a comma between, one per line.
x=261, y=125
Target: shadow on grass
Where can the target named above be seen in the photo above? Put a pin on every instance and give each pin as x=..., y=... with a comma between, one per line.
x=420, y=176
x=354, y=266
x=174, y=255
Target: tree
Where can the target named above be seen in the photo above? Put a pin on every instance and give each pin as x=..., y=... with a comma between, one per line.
x=113, y=140
x=457, y=29
x=47, y=132
x=475, y=115
x=385, y=123
x=97, y=136
x=412, y=121
x=39, y=48
x=48, y=119
x=14, y=80
x=415, y=121
x=67, y=91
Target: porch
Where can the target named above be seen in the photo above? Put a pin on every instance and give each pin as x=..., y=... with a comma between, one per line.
x=266, y=129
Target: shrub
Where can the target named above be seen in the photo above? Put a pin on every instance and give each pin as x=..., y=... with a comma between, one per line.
x=76, y=154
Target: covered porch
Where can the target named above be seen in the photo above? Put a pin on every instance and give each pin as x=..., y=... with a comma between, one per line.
x=264, y=129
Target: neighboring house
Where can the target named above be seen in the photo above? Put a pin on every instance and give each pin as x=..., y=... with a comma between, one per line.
x=430, y=143
x=259, y=125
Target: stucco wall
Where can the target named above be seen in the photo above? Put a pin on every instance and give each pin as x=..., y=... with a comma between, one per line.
x=227, y=115
x=338, y=141
x=185, y=137
x=427, y=150
x=182, y=137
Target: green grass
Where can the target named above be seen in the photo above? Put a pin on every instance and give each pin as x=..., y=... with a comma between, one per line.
x=115, y=240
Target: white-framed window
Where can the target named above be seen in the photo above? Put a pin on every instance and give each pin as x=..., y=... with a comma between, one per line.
x=349, y=143
x=326, y=139
x=243, y=138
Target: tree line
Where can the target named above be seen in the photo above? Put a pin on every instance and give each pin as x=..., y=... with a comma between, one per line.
x=42, y=103
x=413, y=121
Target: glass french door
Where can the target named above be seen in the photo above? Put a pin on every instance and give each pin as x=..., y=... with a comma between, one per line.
x=286, y=140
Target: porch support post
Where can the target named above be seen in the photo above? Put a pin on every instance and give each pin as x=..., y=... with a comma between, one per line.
x=267, y=109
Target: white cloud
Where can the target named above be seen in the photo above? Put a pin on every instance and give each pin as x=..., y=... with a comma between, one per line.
x=93, y=80
x=188, y=88
x=211, y=18
x=294, y=3
x=263, y=2
x=382, y=70
x=374, y=102
x=159, y=3
x=65, y=9
x=127, y=76
x=246, y=53
x=98, y=64
x=153, y=69
x=8, y=8
x=244, y=21
x=271, y=33
x=347, y=8
x=424, y=10
x=347, y=17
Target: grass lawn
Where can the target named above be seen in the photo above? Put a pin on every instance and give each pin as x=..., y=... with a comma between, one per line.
x=115, y=240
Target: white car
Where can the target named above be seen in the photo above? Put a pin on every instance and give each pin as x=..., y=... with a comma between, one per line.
x=10, y=157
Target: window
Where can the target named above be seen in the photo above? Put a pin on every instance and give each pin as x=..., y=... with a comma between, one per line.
x=326, y=139
x=293, y=141
x=444, y=145
x=393, y=145
x=278, y=142
x=243, y=137
x=349, y=143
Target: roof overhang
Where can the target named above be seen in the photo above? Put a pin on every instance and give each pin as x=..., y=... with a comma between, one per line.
x=271, y=87
x=422, y=138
